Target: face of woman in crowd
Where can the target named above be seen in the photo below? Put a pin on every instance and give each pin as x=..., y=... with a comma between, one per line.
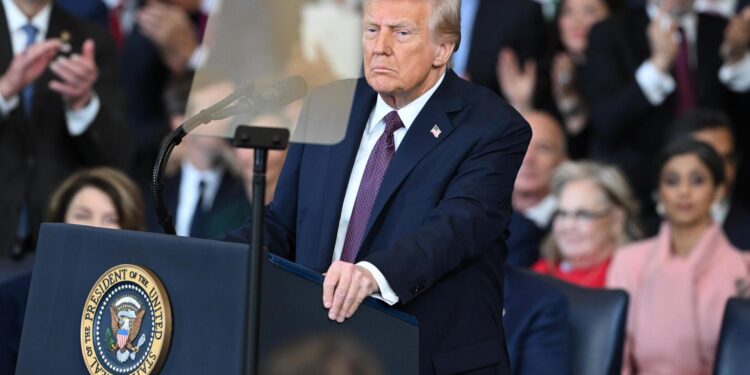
x=576, y=19
x=585, y=223
x=687, y=190
x=92, y=207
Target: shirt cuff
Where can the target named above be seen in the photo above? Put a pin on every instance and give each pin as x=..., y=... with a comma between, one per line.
x=79, y=120
x=195, y=59
x=8, y=105
x=386, y=294
x=736, y=76
x=655, y=84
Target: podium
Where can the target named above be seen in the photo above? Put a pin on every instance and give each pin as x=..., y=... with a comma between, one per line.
x=206, y=285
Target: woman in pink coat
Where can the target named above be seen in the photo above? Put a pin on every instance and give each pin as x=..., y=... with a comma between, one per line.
x=680, y=280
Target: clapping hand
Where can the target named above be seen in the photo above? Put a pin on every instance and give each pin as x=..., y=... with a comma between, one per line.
x=736, y=37
x=76, y=76
x=27, y=67
x=661, y=37
x=517, y=84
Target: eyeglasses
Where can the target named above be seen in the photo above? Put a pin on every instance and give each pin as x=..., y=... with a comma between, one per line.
x=581, y=216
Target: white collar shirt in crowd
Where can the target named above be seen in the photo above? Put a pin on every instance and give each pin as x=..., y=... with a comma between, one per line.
x=188, y=197
x=541, y=213
x=16, y=20
x=469, y=10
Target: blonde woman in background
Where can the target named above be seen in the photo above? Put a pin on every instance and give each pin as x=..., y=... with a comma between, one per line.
x=596, y=214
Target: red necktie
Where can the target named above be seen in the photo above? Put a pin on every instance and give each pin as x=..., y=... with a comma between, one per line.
x=114, y=24
x=684, y=76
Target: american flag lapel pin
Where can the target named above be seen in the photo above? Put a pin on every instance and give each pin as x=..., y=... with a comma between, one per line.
x=436, y=131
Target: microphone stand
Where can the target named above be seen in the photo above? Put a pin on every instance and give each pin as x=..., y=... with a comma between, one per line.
x=173, y=139
x=260, y=139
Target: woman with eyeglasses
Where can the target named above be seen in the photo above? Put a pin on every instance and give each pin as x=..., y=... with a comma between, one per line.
x=680, y=280
x=596, y=214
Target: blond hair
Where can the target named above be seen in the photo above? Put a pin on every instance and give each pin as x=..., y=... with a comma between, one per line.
x=616, y=191
x=444, y=22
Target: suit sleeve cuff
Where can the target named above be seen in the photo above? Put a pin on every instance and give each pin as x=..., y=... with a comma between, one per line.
x=736, y=76
x=655, y=84
x=386, y=294
x=8, y=105
x=79, y=120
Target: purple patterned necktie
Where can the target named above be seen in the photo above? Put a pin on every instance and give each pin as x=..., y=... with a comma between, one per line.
x=684, y=77
x=377, y=164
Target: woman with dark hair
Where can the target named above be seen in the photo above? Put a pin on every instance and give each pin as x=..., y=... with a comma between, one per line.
x=680, y=280
x=99, y=197
x=554, y=84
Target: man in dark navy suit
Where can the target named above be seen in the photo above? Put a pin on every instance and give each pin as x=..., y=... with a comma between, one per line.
x=537, y=317
x=648, y=65
x=533, y=205
x=58, y=113
x=413, y=205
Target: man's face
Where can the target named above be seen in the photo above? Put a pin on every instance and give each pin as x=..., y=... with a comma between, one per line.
x=399, y=53
x=546, y=151
x=722, y=141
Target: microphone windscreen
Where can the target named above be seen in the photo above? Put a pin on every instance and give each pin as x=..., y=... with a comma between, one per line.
x=290, y=89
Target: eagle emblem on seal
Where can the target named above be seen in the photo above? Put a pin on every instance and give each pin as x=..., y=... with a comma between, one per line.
x=126, y=314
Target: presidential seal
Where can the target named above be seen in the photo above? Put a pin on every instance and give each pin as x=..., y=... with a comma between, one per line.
x=127, y=323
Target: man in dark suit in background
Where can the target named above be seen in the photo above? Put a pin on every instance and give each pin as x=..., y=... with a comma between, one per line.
x=648, y=65
x=413, y=204
x=206, y=197
x=533, y=205
x=55, y=117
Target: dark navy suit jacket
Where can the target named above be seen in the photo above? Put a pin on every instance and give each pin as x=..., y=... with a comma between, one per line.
x=537, y=325
x=524, y=241
x=736, y=225
x=436, y=230
x=13, y=296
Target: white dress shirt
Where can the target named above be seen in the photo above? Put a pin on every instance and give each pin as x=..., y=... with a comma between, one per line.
x=469, y=10
x=189, y=187
x=720, y=211
x=657, y=85
x=374, y=129
x=541, y=213
x=77, y=120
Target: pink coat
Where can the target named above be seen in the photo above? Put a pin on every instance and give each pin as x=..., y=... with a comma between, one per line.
x=676, y=303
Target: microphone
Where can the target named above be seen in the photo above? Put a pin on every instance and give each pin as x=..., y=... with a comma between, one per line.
x=281, y=93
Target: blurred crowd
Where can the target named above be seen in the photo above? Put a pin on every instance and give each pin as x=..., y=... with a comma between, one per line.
x=633, y=178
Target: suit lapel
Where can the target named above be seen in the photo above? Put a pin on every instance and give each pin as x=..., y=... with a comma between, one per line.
x=43, y=96
x=640, y=37
x=6, y=48
x=418, y=142
x=341, y=161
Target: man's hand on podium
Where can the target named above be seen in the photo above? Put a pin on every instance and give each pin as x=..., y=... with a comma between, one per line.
x=345, y=287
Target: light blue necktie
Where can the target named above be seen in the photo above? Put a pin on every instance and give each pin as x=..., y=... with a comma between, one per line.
x=28, y=91
x=28, y=94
